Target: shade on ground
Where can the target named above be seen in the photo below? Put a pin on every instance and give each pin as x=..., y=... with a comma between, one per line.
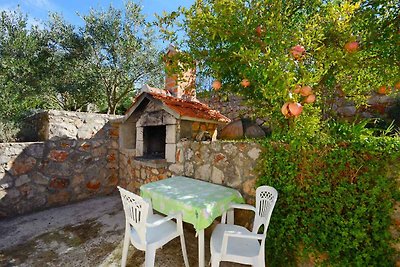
x=83, y=234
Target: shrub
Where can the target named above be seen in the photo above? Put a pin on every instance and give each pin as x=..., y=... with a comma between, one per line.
x=8, y=131
x=335, y=197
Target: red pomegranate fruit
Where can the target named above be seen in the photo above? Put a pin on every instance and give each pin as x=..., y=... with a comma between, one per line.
x=310, y=99
x=297, y=89
x=383, y=90
x=295, y=109
x=216, y=85
x=297, y=51
x=245, y=83
x=259, y=30
x=285, y=109
x=306, y=90
x=351, y=47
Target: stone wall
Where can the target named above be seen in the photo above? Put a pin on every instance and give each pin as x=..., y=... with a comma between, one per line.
x=378, y=106
x=81, y=164
x=135, y=173
x=234, y=106
x=227, y=163
x=59, y=125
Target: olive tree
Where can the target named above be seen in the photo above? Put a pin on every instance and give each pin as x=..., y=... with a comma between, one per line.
x=121, y=51
x=23, y=57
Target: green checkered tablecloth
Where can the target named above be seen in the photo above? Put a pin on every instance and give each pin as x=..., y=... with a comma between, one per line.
x=200, y=202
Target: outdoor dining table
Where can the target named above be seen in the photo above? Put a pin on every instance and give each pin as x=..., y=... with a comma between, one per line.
x=200, y=202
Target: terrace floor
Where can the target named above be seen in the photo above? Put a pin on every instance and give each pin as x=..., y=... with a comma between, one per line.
x=88, y=233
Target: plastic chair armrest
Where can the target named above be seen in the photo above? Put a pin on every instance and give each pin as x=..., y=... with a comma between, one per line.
x=233, y=206
x=243, y=235
x=164, y=220
x=242, y=207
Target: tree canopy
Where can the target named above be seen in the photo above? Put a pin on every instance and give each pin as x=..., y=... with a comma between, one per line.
x=23, y=69
x=121, y=51
x=267, y=50
x=63, y=66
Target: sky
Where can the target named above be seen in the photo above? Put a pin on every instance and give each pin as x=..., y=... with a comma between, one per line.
x=38, y=10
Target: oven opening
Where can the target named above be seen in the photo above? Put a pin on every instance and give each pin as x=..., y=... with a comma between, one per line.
x=154, y=142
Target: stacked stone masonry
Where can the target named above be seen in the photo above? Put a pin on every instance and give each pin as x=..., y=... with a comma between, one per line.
x=232, y=106
x=231, y=164
x=82, y=164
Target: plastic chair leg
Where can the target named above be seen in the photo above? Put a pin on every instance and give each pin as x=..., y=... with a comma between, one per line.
x=214, y=262
x=223, y=218
x=184, y=252
x=125, y=247
x=150, y=257
x=260, y=262
x=230, y=217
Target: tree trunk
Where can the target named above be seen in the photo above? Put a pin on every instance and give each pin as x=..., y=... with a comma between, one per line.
x=114, y=108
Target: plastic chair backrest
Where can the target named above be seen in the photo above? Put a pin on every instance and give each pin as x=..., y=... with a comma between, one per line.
x=136, y=212
x=266, y=197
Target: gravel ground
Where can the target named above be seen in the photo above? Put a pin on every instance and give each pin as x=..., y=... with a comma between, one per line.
x=88, y=233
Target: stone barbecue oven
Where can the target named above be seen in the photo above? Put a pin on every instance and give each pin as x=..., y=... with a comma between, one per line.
x=159, y=118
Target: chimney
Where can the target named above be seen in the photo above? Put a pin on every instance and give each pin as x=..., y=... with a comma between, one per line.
x=180, y=86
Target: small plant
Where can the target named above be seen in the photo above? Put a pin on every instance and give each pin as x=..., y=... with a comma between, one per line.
x=394, y=113
x=8, y=131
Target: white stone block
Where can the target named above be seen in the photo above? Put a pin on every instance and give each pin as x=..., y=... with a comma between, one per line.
x=189, y=169
x=139, y=134
x=140, y=122
x=139, y=148
x=170, y=150
x=170, y=134
x=254, y=153
x=177, y=169
x=168, y=118
x=217, y=176
x=203, y=172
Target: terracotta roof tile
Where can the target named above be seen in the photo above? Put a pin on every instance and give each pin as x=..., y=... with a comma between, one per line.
x=185, y=108
x=191, y=109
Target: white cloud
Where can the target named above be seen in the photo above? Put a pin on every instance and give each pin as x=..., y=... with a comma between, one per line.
x=42, y=4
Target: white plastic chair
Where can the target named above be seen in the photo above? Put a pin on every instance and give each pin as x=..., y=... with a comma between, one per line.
x=147, y=231
x=235, y=243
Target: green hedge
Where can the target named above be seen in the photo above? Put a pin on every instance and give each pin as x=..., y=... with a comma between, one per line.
x=336, y=195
